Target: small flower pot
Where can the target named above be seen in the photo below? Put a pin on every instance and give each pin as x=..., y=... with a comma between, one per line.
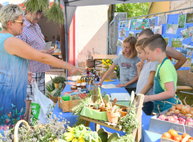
x=56, y=85
x=112, y=117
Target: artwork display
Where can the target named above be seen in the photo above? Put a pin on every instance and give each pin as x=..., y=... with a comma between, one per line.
x=176, y=29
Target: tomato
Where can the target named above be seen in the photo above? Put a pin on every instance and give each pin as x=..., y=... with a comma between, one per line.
x=173, y=132
x=166, y=135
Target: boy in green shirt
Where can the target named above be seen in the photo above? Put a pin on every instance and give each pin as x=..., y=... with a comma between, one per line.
x=165, y=80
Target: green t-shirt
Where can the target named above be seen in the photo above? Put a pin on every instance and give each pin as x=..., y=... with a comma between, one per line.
x=167, y=73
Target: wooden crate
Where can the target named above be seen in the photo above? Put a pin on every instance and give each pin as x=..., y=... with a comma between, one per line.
x=138, y=102
x=67, y=106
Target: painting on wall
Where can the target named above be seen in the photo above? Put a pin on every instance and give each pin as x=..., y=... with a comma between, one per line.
x=152, y=22
x=189, y=18
x=181, y=21
x=172, y=28
x=162, y=20
x=177, y=42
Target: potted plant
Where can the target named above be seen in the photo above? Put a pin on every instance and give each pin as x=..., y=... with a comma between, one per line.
x=57, y=80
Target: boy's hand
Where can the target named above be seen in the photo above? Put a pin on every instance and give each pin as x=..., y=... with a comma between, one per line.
x=140, y=65
x=99, y=84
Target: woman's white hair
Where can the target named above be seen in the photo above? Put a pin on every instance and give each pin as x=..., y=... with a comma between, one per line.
x=8, y=13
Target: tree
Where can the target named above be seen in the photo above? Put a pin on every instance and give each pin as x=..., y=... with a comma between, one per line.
x=133, y=9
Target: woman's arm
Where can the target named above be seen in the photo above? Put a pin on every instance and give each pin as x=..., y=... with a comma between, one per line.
x=21, y=49
x=181, y=59
x=149, y=84
x=169, y=93
x=109, y=71
x=131, y=81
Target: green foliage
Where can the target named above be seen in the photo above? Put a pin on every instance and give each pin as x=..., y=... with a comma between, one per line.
x=35, y=5
x=129, y=122
x=103, y=135
x=133, y=9
x=55, y=14
x=58, y=79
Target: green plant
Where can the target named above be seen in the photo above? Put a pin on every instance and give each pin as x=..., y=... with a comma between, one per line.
x=39, y=132
x=133, y=9
x=129, y=122
x=81, y=134
x=58, y=79
x=55, y=13
x=35, y=5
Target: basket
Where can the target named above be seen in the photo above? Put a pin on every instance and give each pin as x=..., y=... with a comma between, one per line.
x=67, y=106
x=16, y=137
x=53, y=98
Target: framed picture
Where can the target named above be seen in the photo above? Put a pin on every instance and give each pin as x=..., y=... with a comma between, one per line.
x=181, y=21
x=189, y=18
x=185, y=33
x=172, y=28
x=162, y=20
x=177, y=42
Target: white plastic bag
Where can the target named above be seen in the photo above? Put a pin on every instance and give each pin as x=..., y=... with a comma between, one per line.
x=41, y=101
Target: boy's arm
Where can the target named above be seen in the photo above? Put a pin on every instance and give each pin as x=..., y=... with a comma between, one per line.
x=181, y=59
x=109, y=71
x=168, y=93
x=149, y=84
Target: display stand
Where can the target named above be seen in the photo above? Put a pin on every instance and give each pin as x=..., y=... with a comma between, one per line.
x=138, y=102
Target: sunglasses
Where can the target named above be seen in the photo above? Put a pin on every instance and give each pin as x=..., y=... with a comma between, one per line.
x=19, y=21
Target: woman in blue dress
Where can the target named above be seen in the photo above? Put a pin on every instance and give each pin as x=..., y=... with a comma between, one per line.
x=14, y=56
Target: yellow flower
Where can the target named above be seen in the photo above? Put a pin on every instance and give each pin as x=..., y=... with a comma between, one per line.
x=75, y=140
x=68, y=136
x=81, y=139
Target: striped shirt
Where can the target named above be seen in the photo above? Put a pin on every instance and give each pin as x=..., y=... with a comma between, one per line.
x=33, y=36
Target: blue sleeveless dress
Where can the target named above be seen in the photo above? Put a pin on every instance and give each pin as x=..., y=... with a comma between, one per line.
x=13, y=85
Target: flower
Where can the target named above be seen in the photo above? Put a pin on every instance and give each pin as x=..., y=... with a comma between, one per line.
x=107, y=63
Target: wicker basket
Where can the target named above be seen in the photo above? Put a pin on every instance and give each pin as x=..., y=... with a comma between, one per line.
x=67, y=106
x=16, y=129
x=53, y=98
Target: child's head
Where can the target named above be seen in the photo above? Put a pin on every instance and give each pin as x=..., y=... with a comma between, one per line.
x=155, y=46
x=140, y=49
x=145, y=34
x=129, y=47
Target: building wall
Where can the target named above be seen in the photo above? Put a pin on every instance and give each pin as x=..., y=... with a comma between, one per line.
x=91, y=31
x=181, y=4
x=157, y=7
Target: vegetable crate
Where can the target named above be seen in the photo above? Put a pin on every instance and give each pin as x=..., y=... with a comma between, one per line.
x=67, y=106
x=138, y=102
x=164, y=126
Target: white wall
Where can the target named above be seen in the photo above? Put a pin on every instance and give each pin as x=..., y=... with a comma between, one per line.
x=180, y=4
x=91, y=31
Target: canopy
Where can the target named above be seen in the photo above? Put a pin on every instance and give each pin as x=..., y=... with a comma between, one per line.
x=70, y=7
x=104, y=2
